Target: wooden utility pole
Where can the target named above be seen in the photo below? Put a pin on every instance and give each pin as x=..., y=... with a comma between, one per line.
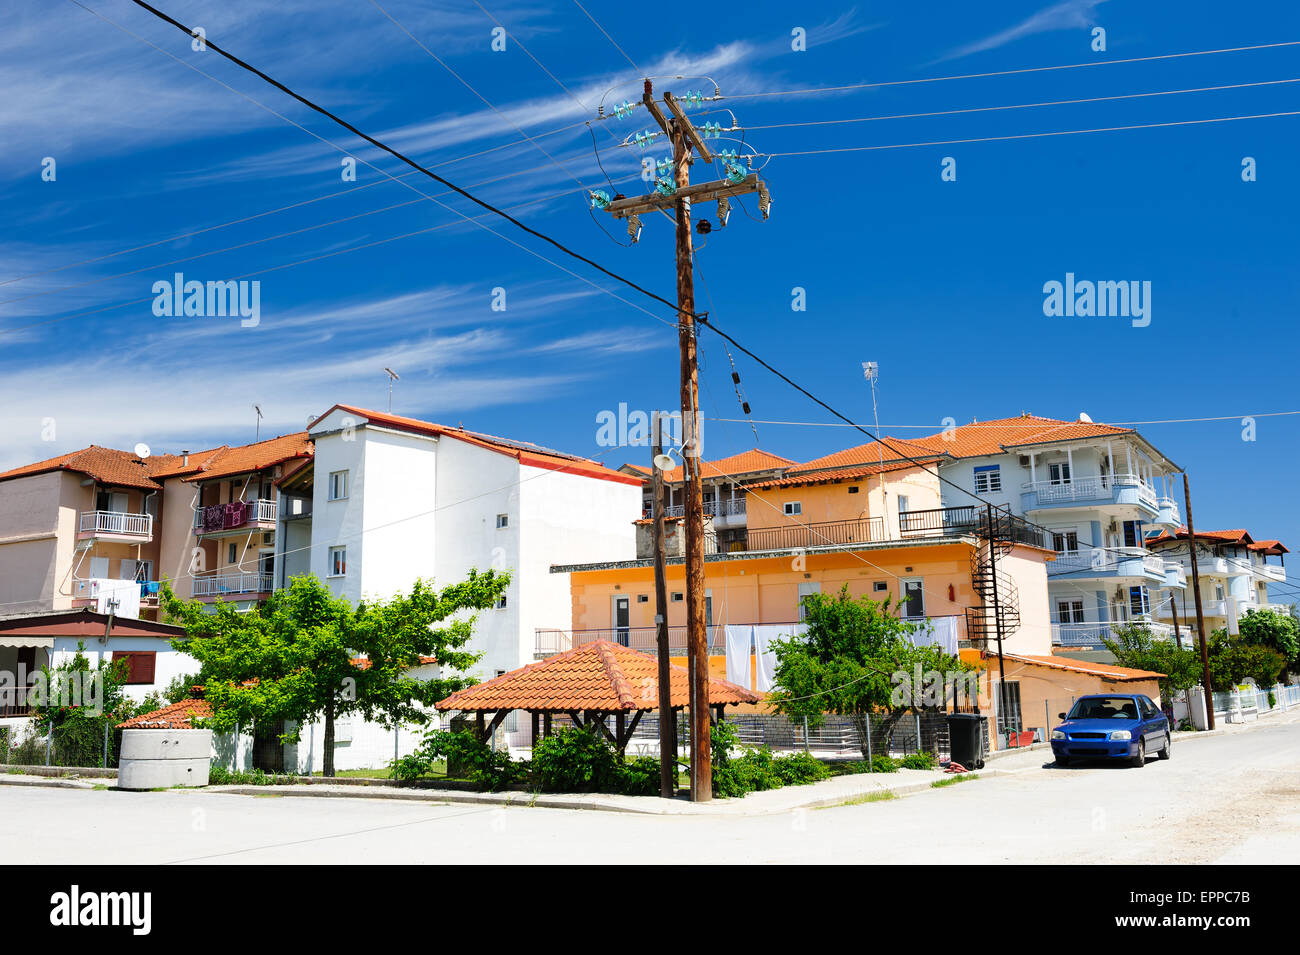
x=677, y=195
x=1200, y=613
x=667, y=718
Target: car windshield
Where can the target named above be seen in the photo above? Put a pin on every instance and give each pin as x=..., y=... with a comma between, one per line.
x=1104, y=707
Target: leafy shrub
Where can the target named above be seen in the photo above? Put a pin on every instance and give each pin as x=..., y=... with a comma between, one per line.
x=800, y=769
x=576, y=761
x=919, y=761
x=884, y=764
x=478, y=762
x=639, y=777
x=220, y=776
x=756, y=770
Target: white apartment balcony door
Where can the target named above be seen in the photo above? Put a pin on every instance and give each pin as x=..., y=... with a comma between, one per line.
x=622, y=615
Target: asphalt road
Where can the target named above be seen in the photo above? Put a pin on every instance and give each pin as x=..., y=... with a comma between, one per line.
x=1230, y=798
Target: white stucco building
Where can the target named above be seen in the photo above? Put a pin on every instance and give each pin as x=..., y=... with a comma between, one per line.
x=388, y=500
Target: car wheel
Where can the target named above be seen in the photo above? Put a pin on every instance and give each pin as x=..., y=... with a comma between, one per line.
x=1169, y=745
x=1063, y=761
x=1140, y=759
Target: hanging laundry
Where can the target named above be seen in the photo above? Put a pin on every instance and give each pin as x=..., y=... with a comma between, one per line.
x=739, y=641
x=236, y=514
x=765, y=634
x=214, y=517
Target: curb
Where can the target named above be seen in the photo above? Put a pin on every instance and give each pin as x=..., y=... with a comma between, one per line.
x=45, y=782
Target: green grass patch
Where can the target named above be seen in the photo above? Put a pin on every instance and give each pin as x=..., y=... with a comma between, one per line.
x=953, y=780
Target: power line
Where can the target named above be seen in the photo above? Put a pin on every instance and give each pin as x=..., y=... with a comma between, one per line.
x=629, y=59
x=326, y=255
x=1062, y=132
x=1031, y=69
x=293, y=205
x=986, y=109
x=212, y=45
x=1002, y=427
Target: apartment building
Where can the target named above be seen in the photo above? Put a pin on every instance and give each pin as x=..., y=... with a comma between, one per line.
x=1097, y=490
x=722, y=488
x=386, y=500
x=1234, y=570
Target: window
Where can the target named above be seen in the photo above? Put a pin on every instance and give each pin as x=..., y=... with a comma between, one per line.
x=1138, y=602
x=232, y=553
x=139, y=665
x=988, y=478
x=793, y=507
x=913, y=597
x=904, y=504
x=854, y=489
x=1065, y=542
x=338, y=486
x=1059, y=472
x=1133, y=534
x=806, y=589
x=676, y=597
x=643, y=598
x=503, y=520
x=1069, y=611
x=144, y=570
x=338, y=561
x=1009, y=707
x=501, y=602
x=268, y=537
x=880, y=585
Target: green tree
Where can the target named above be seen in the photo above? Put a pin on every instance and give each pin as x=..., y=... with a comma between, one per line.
x=1272, y=629
x=75, y=703
x=1135, y=646
x=1234, y=660
x=291, y=658
x=856, y=654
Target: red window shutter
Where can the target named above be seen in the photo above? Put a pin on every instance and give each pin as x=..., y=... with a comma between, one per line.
x=139, y=665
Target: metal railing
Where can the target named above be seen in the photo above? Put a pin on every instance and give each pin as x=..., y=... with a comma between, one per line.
x=232, y=584
x=824, y=534
x=258, y=511
x=642, y=639
x=1092, y=634
x=727, y=508
x=17, y=701
x=1091, y=488
x=117, y=522
x=972, y=520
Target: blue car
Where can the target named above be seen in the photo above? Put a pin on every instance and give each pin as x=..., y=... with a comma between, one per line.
x=1112, y=726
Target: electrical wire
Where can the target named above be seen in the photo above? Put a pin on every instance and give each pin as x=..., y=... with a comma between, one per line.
x=1002, y=427
x=987, y=109
x=629, y=59
x=212, y=45
x=1059, y=132
x=1031, y=69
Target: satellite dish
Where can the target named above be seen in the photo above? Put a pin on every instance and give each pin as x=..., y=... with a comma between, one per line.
x=1083, y=416
x=664, y=462
x=142, y=451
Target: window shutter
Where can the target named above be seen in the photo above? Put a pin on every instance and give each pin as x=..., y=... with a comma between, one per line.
x=140, y=665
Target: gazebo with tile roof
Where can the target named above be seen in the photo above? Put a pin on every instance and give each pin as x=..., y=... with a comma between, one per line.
x=587, y=684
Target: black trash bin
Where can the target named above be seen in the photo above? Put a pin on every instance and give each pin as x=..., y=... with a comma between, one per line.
x=965, y=744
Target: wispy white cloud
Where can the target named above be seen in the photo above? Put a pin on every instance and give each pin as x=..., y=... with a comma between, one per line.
x=1066, y=15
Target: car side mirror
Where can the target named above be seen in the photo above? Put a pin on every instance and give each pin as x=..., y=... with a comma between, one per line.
x=1060, y=716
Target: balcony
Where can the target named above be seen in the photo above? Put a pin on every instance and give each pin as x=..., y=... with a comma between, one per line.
x=1095, y=491
x=1167, y=512
x=643, y=639
x=714, y=509
x=115, y=525
x=1092, y=634
x=1088, y=563
x=825, y=534
x=221, y=519
x=970, y=521
x=240, y=586
x=1175, y=575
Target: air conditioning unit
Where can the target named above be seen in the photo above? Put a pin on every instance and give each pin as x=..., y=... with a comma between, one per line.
x=1024, y=460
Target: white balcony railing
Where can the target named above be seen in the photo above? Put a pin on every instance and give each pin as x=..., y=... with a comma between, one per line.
x=1091, y=634
x=231, y=584
x=1105, y=560
x=726, y=508
x=117, y=522
x=1094, y=488
x=255, y=512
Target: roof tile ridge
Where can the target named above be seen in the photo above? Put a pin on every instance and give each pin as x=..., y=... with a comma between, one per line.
x=614, y=670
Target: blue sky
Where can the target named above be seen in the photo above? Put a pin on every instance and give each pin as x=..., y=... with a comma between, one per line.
x=940, y=282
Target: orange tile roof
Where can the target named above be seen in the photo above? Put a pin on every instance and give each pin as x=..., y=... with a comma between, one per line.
x=800, y=477
x=1235, y=536
x=174, y=465
x=527, y=453
x=887, y=449
x=361, y=663
x=1269, y=546
x=746, y=462
x=106, y=465
x=600, y=675
x=244, y=458
x=981, y=438
x=176, y=716
x=1106, y=670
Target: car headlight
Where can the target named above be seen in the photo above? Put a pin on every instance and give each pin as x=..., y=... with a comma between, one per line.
x=1121, y=734
x=1058, y=734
